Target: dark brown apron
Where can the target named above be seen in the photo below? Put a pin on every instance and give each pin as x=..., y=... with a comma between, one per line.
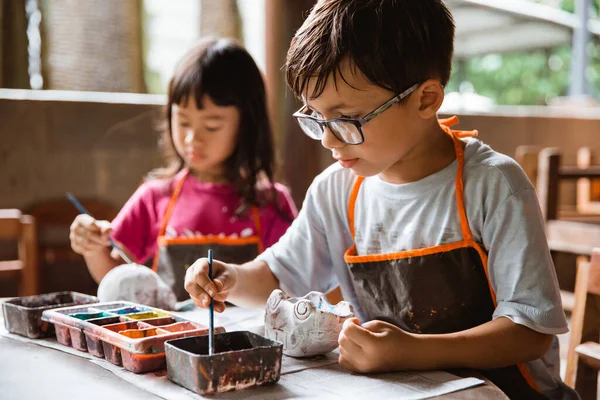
x=174, y=255
x=434, y=290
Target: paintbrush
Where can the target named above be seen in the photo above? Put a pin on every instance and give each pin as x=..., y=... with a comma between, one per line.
x=211, y=310
x=82, y=210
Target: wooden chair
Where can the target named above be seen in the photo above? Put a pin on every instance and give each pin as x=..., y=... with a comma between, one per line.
x=62, y=268
x=583, y=360
x=574, y=233
x=571, y=231
x=588, y=190
x=19, y=228
x=527, y=157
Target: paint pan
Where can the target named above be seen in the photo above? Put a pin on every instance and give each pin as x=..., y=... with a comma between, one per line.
x=147, y=315
x=142, y=333
x=125, y=310
x=23, y=315
x=94, y=345
x=241, y=360
x=179, y=327
x=142, y=363
x=121, y=337
x=91, y=315
x=160, y=321
x=70, y=336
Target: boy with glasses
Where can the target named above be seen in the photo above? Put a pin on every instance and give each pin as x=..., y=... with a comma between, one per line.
x=436, y=239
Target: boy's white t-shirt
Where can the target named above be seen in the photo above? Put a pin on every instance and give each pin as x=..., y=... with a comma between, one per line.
x=503, y=214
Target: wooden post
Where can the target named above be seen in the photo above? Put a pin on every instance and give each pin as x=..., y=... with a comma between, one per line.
x=13, y=45
x=586, y=382
x=28, y=252
x=301, y=155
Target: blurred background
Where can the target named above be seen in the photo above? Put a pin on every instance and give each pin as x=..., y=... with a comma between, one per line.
x=82, y=85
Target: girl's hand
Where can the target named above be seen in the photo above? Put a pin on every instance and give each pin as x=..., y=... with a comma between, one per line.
x=376, y=346
x=201, y=289
x=88, y=235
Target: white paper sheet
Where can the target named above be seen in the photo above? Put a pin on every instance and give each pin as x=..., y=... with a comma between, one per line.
x=326, y=382
x=336, y=382
x=45, y=342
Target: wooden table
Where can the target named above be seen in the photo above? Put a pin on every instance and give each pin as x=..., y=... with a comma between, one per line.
x=29, y=371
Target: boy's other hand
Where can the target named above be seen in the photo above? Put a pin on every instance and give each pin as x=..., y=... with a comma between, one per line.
x=88, y=235
x=376, y=346
x=201, y=289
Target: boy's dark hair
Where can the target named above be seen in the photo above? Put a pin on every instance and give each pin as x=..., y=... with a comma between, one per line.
x=394, y=43
x=226, y=72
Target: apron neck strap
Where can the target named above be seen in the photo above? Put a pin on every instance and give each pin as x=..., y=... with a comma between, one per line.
x=256, y=217
x=174, y=197
x=167, y=215
x=352, y=203
x=445, y=124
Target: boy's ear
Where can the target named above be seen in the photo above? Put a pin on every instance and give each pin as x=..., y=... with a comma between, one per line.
x=431, y=96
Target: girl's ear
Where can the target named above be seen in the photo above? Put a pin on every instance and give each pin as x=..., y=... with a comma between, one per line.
x=430, y=96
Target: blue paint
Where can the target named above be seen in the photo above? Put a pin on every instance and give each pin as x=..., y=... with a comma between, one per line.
x=127, y=310
x=324, y=305
x=86, y=316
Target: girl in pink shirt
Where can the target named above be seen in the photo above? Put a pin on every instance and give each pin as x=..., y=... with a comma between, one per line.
x=217, y=190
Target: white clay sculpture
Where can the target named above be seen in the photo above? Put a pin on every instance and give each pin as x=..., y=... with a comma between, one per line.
x=307, y=326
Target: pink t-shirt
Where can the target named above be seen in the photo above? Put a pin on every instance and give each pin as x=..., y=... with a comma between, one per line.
x=201, y=209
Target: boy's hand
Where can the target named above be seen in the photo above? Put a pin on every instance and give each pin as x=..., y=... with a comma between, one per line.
x=88, y=235
x=376, y=346
x=201, y=289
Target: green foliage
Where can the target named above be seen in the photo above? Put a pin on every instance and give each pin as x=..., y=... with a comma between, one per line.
x=529, y=78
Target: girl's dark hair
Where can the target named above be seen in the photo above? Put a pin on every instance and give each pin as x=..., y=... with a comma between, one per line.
x=226, y=72
x=394, y=43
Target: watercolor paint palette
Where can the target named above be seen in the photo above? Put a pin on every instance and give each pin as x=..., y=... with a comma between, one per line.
x=23, y=315
x=241, y=360
x=126, y=334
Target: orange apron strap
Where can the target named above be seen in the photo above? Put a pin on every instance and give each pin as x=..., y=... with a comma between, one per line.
x=352, y=203
x=464, y=223
x=168, y=212
x=257, y=227
x=460, y=156
x=460, y=190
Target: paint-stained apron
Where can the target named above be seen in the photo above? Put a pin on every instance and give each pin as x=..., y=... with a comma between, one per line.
x=174, y=255
x=434, y=290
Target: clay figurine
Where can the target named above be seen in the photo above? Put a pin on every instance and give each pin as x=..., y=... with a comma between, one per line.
x=307, y=326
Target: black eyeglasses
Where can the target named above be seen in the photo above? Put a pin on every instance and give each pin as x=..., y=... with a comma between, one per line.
x=346, y=130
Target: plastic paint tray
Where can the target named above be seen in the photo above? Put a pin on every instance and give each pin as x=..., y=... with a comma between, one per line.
x=23, y=315
x=241, y=360
x=124, y=333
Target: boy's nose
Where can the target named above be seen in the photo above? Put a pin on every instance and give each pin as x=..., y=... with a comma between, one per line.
x=330, y=141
